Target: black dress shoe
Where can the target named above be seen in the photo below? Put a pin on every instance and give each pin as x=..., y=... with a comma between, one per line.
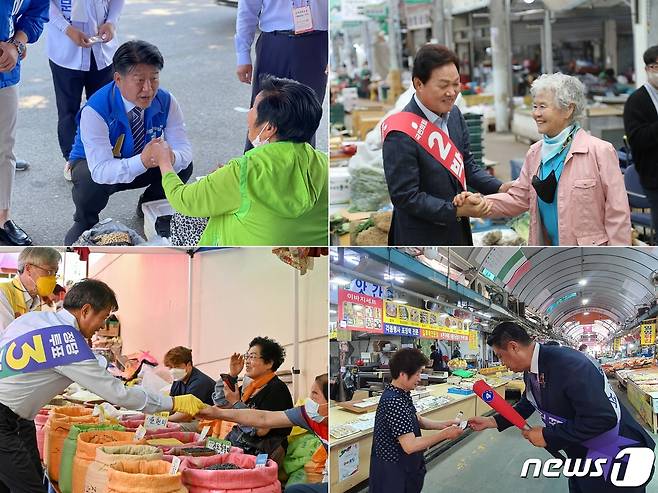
x=13, y=234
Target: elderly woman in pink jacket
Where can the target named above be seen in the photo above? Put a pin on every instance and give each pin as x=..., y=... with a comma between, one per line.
x=570, y=181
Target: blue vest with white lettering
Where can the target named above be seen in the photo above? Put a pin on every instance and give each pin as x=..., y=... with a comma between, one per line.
x=107, y=102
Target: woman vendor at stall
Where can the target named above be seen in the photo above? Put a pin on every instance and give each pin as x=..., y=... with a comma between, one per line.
x=397, y=464
x=261, y=389
x=312, y=416
x=187, y=379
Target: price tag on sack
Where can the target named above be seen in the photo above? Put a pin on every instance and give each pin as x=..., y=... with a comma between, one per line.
x=219, y=446
x=175, y=464
x=204, y=432
x=261, y=460
x=139, y=433
x=155, y=421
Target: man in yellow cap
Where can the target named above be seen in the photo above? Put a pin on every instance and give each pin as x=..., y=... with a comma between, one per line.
x=36, y=278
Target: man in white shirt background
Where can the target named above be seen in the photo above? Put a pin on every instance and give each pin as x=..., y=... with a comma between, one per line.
x=81, y=42
x=112, y=147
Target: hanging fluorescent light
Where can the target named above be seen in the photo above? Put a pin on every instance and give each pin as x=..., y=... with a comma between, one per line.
x=585, y=301
x=582, y=282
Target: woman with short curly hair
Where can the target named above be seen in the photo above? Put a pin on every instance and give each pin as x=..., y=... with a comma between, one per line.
x=570, y=181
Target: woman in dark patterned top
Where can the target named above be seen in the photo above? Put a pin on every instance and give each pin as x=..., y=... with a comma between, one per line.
x=396, y=460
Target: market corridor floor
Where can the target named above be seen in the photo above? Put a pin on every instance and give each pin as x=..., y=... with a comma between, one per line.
x=490, y=461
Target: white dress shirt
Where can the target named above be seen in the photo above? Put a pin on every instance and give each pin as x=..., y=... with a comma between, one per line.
x=26, y=393
x=272, y=15
x=440, y=121
x=7, y=311
x=534, y=362
x=89, y=15
x=105, y=168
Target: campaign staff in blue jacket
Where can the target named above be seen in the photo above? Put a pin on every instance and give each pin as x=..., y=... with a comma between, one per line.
x=21, y=22
x=112, y=147
x=41, y=354
x=582, y=415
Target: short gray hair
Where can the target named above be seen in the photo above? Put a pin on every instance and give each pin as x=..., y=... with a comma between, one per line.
x=566, y=90
x=38, y=256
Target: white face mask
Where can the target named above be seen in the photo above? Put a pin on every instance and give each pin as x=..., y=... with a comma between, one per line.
x=177, y=373
x=313, y=410
x=257, y=142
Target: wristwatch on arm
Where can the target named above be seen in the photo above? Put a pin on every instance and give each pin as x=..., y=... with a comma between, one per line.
x=20, y=47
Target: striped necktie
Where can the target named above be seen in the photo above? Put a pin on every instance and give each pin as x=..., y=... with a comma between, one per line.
x=137, y=129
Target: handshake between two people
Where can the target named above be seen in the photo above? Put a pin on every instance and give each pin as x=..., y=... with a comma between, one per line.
x=470, y=204
x=158, y=153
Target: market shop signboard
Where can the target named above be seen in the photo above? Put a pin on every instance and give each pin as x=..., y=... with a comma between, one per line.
x=648, y=334
x=400, y=319
x=616, y=344
x=359, y=312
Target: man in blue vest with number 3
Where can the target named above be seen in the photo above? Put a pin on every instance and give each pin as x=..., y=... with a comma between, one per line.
x=112, y=147
x=41, y=354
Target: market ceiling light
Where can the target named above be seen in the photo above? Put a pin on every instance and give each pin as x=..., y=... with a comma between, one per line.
x=400, y=301
x=585, y=301
x=582, y=282
x=585, y=313
x=341, y=281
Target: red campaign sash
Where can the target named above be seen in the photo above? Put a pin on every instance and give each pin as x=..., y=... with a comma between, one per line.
x=431, y=138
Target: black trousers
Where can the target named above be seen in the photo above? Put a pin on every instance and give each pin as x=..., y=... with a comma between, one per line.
x=20, y=466
x=90, y=198
x=302, y=58
x=652, y=197
x=69, y=85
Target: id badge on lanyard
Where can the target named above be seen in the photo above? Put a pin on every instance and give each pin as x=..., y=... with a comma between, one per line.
x=301, y=18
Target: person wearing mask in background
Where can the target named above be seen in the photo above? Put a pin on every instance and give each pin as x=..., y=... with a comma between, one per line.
x=293, y=43
x=581, y=413
x=261, y=389
x=81, y=43
x=436, y=358
x=116, y=128
x=312, y=417
x=36, y=280
x=21, y=22
x=641, y=127
x=396, y=460
x=187, y=379
x=53, y=354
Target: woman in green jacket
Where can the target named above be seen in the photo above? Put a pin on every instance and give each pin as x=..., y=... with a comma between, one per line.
x=277, y=193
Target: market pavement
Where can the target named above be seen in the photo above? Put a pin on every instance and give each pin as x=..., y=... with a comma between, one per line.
x=490, y=461
x=196, y=40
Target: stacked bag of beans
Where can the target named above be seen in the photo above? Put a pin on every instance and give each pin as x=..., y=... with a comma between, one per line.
x=56, y=430
x=143, y=476
x=98, y=472
x=229, y=473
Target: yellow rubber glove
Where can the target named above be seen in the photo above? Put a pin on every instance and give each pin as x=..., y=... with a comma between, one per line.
x=188, y=404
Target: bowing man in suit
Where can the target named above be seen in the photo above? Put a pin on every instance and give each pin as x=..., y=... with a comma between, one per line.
x=582, y=415
x=427, y=158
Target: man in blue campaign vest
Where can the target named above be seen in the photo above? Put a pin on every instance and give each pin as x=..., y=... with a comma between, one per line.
x=21, y=22
x=112, y=147
x=41, y=354
x=581, y=413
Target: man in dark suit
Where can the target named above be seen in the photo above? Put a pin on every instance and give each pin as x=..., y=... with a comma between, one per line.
x=421, y=188
x=641, y=126
x=582, y=414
